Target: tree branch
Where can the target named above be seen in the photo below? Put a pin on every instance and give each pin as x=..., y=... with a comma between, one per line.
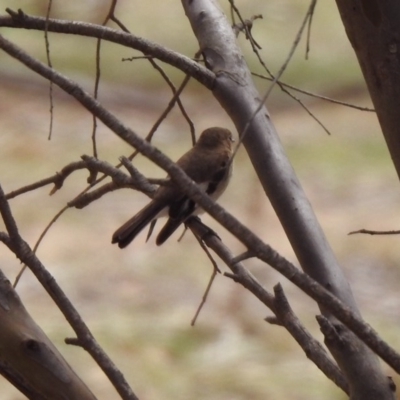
x=24, y=253
x=237, y=94
x=278, y=304
x=28, y=359
x=183, y=63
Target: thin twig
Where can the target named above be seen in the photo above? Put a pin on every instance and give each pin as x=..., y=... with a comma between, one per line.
x=307, y=110
x=309, y=25
x=215, y=243
x=292, y=50
x=216, y=270
x=31, y=187
x=274, y=79
x=175, y=99
x=42, y=235
x=204, y=298
x=370, y=232
x=97, y=79
x=315, y=95
x=49, y=63
x=246, y=26
x=176, y=93
x=57, y=179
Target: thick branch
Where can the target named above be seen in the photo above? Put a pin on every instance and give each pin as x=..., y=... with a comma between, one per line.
x=236, y=93
x=185, y=64
x=28, y=359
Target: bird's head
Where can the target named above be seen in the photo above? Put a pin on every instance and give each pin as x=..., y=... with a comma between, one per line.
x=215, y=137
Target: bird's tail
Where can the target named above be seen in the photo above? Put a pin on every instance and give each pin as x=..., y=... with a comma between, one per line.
x=128, y=231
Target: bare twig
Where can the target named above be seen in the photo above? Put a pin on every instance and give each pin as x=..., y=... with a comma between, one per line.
x=369, y=232
x=246, y=26
x=275, y=79
x=42, y=235
x=309, y=24
x=176, y=99
x=315, y=95
x=98, y=75
x=204, y=298
x=244, y=256
x=215, y=243
x=57, y=179
x=47, y=43
x=309, y=14
x=136, y=181
x=307, y=110
x=216, y=270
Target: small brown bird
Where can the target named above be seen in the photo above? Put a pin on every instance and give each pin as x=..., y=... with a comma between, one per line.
x=208, y=163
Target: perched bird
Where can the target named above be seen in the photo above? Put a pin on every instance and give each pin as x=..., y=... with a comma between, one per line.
x=208, y=163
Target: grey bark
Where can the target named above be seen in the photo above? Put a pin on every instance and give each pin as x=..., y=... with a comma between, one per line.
x=237, y=95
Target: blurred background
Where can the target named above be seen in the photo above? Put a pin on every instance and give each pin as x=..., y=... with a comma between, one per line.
x=139, y=302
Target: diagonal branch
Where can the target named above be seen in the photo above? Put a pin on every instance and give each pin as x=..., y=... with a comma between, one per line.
x=22, y=250
x=278, y=304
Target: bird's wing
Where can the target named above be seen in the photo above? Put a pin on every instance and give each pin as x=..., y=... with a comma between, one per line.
x=212, y=178
x=179, y=211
